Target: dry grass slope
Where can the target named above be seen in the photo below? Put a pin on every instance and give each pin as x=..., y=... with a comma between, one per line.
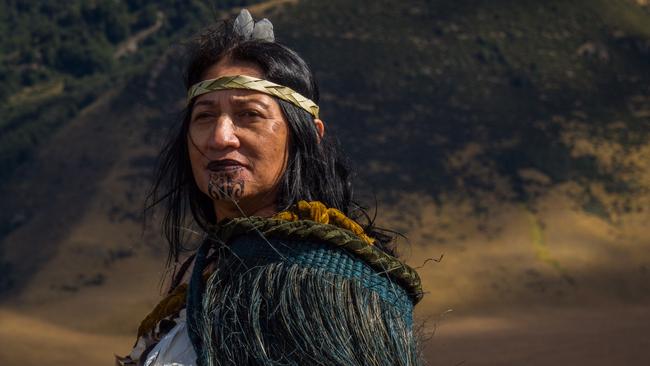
x=509, y=138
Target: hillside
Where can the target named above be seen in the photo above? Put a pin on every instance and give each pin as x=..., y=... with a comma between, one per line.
x=503, y=87
x=509, y=137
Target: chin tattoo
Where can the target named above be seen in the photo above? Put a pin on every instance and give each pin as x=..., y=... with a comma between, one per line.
x=225, y=186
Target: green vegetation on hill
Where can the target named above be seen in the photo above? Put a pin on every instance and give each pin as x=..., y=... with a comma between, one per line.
x=57, y=57
x=433, y=96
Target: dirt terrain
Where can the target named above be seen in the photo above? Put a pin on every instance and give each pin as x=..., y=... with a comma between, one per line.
x=605, y=336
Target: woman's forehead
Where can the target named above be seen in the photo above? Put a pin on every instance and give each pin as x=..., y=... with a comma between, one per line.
x=229, y=67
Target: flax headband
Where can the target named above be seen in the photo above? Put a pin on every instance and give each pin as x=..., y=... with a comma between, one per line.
x=251, y=83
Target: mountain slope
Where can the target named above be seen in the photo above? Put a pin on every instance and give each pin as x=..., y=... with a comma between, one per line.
x=511, y=137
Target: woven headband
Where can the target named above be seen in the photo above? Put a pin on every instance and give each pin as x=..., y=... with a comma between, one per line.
x=251, y=83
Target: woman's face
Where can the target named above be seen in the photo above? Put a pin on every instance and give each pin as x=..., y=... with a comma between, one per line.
x=238, y=145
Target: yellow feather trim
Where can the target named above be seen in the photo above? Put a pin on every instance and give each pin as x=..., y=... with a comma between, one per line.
x=317, y=211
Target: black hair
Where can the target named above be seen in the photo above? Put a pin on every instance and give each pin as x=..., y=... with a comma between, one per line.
x=316, y=168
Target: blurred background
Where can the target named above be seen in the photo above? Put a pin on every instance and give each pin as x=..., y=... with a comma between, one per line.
x=508, y=139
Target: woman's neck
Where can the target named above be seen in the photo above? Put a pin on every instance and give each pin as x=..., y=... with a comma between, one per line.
x=229, y=210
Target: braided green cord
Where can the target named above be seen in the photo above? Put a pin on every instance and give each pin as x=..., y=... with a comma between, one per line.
x=251, y=83
x=382, y=262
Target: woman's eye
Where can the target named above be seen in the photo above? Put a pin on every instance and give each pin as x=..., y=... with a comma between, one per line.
x=250, y=113
x=202, y=117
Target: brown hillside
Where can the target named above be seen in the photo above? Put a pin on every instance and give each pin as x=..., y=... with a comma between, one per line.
x=509, y=141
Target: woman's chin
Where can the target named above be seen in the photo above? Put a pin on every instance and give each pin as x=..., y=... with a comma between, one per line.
x=227, y=185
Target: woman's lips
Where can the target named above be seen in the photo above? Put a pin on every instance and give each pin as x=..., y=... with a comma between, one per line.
x=224, y=165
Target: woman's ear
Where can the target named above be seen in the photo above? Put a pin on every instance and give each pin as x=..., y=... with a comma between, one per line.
x=320, y=128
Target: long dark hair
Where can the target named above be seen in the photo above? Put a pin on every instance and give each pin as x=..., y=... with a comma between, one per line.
x=316, y=170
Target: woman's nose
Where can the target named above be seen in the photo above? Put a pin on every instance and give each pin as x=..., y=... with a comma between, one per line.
x=224, y=135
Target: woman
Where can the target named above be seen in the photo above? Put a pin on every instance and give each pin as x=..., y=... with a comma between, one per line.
x=283, y=275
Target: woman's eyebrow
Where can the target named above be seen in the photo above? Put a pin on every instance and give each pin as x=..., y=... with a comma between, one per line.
x=204, y=102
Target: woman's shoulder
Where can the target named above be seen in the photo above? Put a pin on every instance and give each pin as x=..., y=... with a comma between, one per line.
x=315, y=223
